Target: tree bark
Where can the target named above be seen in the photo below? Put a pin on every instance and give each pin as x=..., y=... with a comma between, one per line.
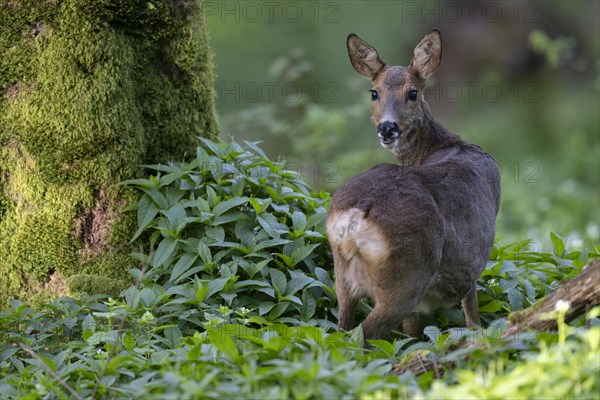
x=89, y=91
x=582, y=292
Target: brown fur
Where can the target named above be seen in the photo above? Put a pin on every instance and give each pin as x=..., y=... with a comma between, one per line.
x=414, y=236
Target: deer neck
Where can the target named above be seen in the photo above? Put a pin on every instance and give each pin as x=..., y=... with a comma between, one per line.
x=423, y=140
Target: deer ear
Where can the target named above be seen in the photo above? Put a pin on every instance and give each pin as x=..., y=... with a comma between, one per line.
x=364, y=58
x=427, y=55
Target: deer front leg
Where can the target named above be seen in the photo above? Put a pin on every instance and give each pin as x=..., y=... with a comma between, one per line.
x=411, y=325
x=471, y=308
x=380, y=321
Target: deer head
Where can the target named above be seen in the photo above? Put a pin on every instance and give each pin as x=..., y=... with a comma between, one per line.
x=400, y=113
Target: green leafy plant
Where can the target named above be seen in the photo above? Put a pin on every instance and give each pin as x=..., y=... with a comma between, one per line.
x=233, y=228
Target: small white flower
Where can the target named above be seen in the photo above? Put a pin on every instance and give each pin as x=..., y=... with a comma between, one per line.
x=577, y=243
x=562, y=305
x=147, y=317
x=592, y=231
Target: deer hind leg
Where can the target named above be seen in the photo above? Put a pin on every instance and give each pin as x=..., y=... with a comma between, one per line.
x=471, y=308
x=397, y=293
x=347, y=295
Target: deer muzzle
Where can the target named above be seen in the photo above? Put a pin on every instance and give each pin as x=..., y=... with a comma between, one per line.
x=388, y=132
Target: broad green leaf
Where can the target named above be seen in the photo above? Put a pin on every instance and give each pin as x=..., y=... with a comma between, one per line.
x=432, y=332
x=286, y=259
x=182, y=265
x=200, y=203
x=223, y=342
x=293, y=299
x=279, y=281
x=215, y=286
x=212, y=196
x=298, y=221
x=259, y=266
x=255, y=319
x=309, y=305
x=269, y=291
x=228, y=217
x=165, y=249
x=265, y=306
x=201, y=293
x=492, y=306
x=270, y=243
x=87, y=333
x=357, y=335
x=176, y=216
x=384, y=346
x=228, y=205
x=132, y=298
x=216, y=233
x=256, y=149
x=51, y=365
x=250, y=283
x=515, y=299
x=170, y=178
x=324, y=276
x=301, y=253
x=298, y=282
x=316, y=220
x=270, y=224
x=277, y=310
x=89, y=323
x=558, y=244
x=5, y=354
x=237, y=186
x=212, y=146
x=158, y=198
x=173, y=335
x=204, y=252
x=147, y=296
x=273, y=193
x=142, y=183
x=190, y=272
x=147, y=211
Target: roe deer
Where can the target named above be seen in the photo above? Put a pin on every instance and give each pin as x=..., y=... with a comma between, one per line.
x=414, y=236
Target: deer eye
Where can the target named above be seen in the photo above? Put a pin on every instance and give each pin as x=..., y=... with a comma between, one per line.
x=374, y=95
x=412, y=95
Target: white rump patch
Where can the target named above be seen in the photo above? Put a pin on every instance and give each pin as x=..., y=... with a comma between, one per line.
x=355, y=235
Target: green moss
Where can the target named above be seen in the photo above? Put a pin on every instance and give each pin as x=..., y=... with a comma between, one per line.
x=89, y=91
x=97, y=284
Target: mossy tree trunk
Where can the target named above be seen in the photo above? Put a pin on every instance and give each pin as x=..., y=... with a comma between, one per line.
x=89, y=91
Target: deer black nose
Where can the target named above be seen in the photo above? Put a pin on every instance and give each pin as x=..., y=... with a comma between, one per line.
x=388, y=129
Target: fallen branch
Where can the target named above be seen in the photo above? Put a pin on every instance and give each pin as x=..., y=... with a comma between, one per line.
x=582, y=293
